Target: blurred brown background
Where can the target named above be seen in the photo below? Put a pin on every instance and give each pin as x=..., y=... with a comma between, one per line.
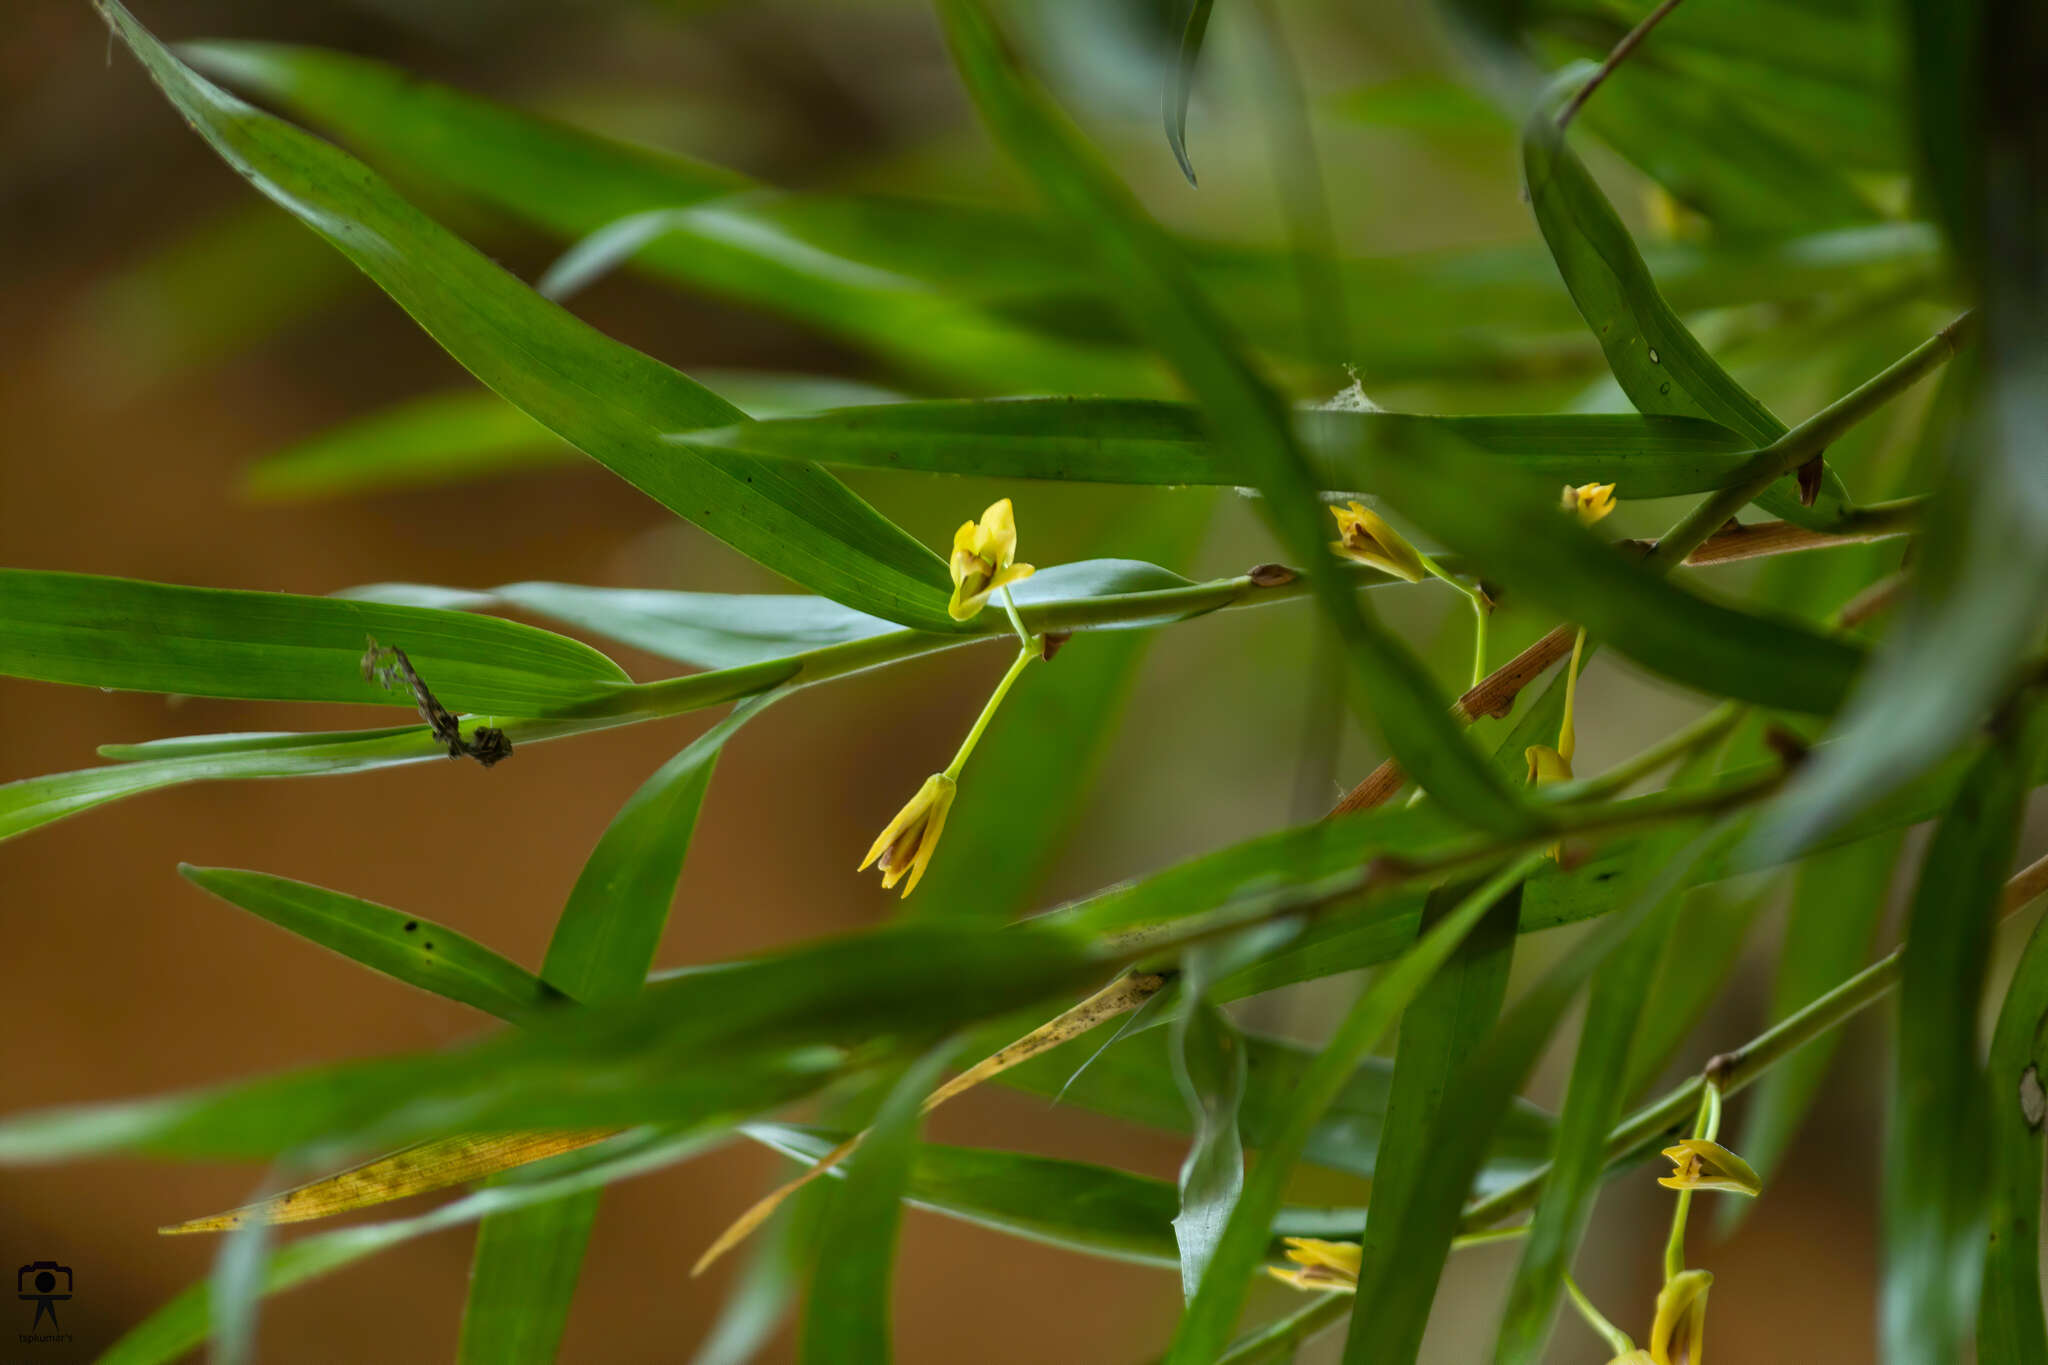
x=135, y=389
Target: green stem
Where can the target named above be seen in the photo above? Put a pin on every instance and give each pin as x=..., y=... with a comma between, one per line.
x=1481, y=609
x=1808, y=439
x=1617, y=1340
x=1010, y=606
x=1567, y=728
x=1705, y=1127
x=988, y=712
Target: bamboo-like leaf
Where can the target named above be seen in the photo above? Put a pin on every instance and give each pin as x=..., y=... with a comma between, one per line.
x=1938, y=1129
x=216, y=642
x=848, y=1317
x=527, y=1262
x=1657, y=360
x=1095, y=1210
x=713, y=1043
x=605, y=398
x=1390, y=1310
x=1182, y=82
x=405, y=947
x=464, y=433
x=1161, y=301
x=2010, y=1321
x=1148, y=441
x=1209, y=1070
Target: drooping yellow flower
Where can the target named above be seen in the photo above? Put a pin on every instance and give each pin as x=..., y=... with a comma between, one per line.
x=1363, y=535
x=1546, y=765
x=906, y=845
x=1320, y=1265
x=984, y=560
x=1591, y=501
x=1679, y=1335
x=1704, y=1165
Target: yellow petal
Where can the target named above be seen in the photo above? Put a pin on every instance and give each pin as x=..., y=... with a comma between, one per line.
x=1363, y=535
x=1703, y=1165
x=912, y=811
x=1591, y=501
x=1546, y=764
x=1679, y=1335
x=1340, y=1257
x=996, y=537
x=928, y=842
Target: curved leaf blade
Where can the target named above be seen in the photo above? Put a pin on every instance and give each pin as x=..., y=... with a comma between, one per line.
x=605, y=398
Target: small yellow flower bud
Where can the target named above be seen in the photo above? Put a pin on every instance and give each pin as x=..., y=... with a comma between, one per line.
x=1319, y=1265
x=984, y=560
x=1704, y=1165
x=1679, y=1335
x=906, y=846
x=1546, y=765
x=1591, y=501
x=1363, y=535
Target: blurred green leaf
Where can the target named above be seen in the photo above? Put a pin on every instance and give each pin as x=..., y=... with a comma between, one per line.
x=707, y=1045
x=1449, y=1017
x=1837, y=904
x=445, y=437
x=1145, y=441
x=1209, y=1070
x=217, y=642
x=404, y=947
x=526, y=1265
x=1160, y=300
x=847, y=1319
x=1938, y=1129
x=1701, y=958
x=2010, y=1322
x=612, y=402
x=1658, y=362
x=1980, y=590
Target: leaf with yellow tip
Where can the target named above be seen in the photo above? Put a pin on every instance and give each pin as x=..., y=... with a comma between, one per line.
x=400, y=1175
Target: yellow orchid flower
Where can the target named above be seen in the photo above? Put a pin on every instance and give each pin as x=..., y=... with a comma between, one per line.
x=1591, y=501
x=1363, y=535
x=1679, y=1335
x=1704, y=1165
x=906, y=845
x=1546, y=765
x=985, y=560
x=1320, y=1265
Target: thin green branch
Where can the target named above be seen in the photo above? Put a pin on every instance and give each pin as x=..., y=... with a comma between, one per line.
x=1630, y=41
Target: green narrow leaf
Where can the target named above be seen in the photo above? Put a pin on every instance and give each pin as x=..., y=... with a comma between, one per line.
x=446, y=437
x=1206, y=1326
x=1193, y=28
x=1161, y=301
x=1209, y=1069
x=615, y=404
x=1837, y=904
x=848, y=1316
x=1938, y=1128
x=1451, y=1016
x=524, y=1273
x=216, y=642
x=2010, y=1322
x=1391, y=1309
x=1094, y=1210
x=418, y=952
x=1657, y=360
x=1615, y=1006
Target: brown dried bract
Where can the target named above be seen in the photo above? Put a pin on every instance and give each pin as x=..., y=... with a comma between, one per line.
x=391, y=670
x=1270, y=575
